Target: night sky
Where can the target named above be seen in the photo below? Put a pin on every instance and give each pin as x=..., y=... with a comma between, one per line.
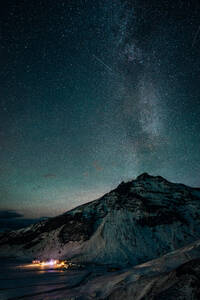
x=93, y=93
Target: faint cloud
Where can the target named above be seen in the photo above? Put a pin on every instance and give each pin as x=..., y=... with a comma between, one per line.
x=86, y=174
x=49, y=175
x=12, y=220
x=36, y=188
x=97, y=166
x=9, y=214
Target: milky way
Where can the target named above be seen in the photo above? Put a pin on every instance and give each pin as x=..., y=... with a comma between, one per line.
x=93, y=93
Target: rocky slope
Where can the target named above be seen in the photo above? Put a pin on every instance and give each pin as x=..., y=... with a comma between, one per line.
x=138, y=221
x=174, y=276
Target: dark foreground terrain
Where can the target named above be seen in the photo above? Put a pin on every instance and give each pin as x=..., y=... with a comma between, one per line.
x=18, y=280
x=174, y=276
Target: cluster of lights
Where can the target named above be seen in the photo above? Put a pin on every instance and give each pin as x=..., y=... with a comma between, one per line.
x=51, y=263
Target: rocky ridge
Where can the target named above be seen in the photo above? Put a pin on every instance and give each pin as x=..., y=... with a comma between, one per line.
x=138, y=221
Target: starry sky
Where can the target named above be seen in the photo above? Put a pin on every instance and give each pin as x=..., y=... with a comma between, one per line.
x=93, y=93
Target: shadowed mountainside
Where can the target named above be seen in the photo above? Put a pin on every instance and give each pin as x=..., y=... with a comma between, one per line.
x=138, y=221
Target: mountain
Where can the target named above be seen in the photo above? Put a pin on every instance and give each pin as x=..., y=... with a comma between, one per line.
x=138, y=221
x=174, y=276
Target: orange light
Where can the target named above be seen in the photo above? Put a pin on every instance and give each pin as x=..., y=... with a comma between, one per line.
x=52, y=263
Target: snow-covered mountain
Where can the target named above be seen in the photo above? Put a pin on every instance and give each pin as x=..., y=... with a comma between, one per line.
x=174, y=276
x=138, y=221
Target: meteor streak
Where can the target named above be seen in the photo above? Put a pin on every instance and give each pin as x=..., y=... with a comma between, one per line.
x=196, y=36
x=102, y=62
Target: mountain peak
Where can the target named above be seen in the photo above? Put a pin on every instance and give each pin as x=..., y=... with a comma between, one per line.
x=139, y=220
x=144, y=176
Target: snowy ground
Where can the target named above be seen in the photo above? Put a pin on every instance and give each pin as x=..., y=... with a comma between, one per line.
x=17, y=281
x=172, y=274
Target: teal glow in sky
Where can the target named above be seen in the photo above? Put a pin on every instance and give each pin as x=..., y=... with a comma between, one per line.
x=93, y=93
